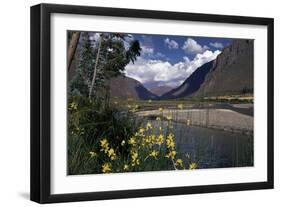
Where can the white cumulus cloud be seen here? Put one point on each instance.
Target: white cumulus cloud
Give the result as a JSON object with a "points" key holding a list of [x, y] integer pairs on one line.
{"points": [[191, 46], [145, 50], [172, 44], [216, 45], [159, 72]]}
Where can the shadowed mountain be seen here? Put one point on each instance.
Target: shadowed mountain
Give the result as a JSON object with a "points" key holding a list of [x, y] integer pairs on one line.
{"points": [[160, 90], [125, 87], [234, 71], [231, 73], [191, 84]]}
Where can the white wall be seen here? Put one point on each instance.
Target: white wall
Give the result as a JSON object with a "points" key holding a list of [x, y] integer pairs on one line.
{"points": [[14, 102]]}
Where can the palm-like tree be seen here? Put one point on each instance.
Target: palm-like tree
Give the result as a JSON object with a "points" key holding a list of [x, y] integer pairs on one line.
{"points": [[115, 56]]}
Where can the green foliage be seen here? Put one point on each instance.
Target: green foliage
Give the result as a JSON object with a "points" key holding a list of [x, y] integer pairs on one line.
{"points": [[88, 123], [92, 121], [80, 83], [113, 57], [111, 61], [134, 51]]}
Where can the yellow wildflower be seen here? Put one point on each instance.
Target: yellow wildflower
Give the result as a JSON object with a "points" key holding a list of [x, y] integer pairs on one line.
{"points": [[73, 106], [126, 167], [170, 141], [171, 154], [104, 145], [106, 168], [103, 142], [193, 166], [123, 143], [141, 130], [160, 139], [158, 119], [160, 109], [179, 162], [111, 154], [169, 117], [93, 154], [132, 141], [154, 154], [148, 126], [134, 155], [135, 160], [153, 138], [170, 136], [180, 106], [148, 139]]}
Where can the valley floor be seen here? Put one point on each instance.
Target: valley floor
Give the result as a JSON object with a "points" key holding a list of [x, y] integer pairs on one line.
{"points": [[218, 118], [228, 116]]}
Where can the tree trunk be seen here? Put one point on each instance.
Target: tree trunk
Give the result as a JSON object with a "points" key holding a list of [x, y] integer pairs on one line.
{"points": [[95, 69], [72, 48]]}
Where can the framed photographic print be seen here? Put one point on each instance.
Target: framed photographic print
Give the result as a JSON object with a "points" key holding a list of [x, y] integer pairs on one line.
{"points": [[132, 103]]}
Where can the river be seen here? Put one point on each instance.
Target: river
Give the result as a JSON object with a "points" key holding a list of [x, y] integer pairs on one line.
{"points": [[212, 148]]}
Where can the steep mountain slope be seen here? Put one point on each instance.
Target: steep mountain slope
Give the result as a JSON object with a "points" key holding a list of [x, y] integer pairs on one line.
{"points": [[191, 84], [234, 71], [125, 87], [160, 90], [230, 73]]}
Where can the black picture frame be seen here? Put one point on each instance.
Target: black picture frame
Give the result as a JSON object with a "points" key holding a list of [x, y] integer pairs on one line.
{"points": [[41, 96]]}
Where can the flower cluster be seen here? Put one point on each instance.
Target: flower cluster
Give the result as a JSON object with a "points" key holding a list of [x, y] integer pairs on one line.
{"points": [[149, 146], [134, 156], [106, 168], [73, 106], [107, 150]]}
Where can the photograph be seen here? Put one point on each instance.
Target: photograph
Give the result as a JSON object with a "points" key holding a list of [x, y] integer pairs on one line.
{"points": [[133, 103], [156, 102]]}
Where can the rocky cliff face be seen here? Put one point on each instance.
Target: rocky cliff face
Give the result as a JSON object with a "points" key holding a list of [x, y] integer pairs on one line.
{"points": [[125, 87], [231, 73]]}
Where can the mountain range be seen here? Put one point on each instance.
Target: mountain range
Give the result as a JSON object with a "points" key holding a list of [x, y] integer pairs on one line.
{"points": [[230, 73], [125, 87]]}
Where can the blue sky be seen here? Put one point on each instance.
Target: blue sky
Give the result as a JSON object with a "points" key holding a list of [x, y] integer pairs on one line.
{"points": [[174, 52], [168, 60]]}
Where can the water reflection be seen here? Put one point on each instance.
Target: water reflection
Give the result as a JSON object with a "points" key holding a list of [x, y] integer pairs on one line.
{"points": [[212, 148]]}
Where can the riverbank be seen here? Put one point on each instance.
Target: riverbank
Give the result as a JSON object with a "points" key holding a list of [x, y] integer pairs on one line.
{"points": [[223, 119]]}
